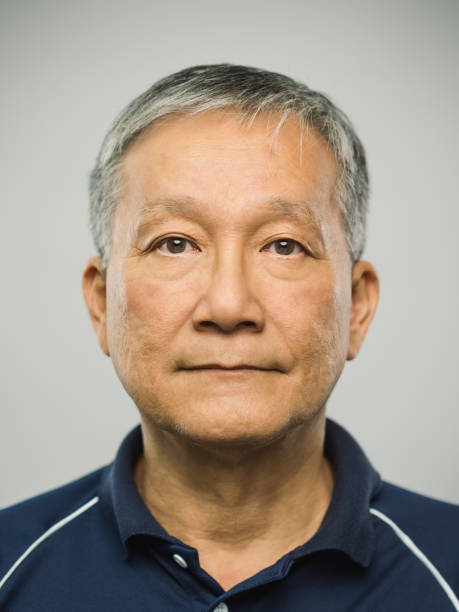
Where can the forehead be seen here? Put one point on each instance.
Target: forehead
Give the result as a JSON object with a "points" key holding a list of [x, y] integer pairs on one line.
{"points": [[216, 158]]}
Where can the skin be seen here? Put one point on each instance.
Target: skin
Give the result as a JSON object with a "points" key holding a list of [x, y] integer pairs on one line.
{"points": [[231, 335]]}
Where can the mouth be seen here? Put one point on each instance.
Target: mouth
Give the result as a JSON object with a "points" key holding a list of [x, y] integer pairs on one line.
{"points": [[230, 368]]}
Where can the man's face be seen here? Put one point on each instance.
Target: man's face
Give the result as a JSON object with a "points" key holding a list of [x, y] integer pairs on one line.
{"points": [[228, 251]]}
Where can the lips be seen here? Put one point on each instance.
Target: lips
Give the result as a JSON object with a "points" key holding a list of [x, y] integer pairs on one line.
{"points": [[219, 366]]}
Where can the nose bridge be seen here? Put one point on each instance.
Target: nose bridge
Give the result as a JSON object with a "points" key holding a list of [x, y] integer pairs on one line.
{"points": [[229, 299], [229, 278]]}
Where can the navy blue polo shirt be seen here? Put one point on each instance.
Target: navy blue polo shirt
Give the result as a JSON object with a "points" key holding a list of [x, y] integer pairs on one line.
{"points": [[93, 545]]}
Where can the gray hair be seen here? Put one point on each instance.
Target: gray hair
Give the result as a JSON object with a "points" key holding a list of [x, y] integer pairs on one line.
{"points": [[250, 91]]}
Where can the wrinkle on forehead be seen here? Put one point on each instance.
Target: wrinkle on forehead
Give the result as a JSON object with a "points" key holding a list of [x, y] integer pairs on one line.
{"points": [[270, 126]]}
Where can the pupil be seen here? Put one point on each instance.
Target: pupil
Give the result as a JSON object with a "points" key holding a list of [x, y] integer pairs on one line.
{"points": [[176, 245], [286, 246]]}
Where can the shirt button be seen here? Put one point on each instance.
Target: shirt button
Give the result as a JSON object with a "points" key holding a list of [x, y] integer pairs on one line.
{"points": [[180, 561], [222, 607]]}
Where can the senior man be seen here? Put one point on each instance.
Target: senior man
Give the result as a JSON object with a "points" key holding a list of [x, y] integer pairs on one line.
{"points": [[228, 208]]}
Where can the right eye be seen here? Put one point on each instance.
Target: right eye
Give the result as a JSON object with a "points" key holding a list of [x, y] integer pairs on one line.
{"points": [[173, 245]]}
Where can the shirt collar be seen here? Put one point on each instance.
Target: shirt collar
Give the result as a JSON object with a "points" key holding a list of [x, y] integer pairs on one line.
{"points": [[120, 498], [347, 525]]}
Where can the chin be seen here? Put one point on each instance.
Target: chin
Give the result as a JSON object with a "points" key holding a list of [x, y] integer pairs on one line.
{"points": [[232, 426], [232, 436]]}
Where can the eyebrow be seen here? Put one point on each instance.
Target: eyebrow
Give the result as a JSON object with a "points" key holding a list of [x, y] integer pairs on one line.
{"points": [[160, 209]]}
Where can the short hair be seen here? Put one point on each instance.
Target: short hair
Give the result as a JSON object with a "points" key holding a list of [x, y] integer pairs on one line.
{"points": [[250, 91]]}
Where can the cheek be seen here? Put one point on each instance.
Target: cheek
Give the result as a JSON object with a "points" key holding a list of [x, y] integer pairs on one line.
{"points": [[331, 328], [144, 316], [313, 317]]}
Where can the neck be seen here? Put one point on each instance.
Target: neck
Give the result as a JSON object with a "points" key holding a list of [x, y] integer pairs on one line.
{"points": [[237, 503]]}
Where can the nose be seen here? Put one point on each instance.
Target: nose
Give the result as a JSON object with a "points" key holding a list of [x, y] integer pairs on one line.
{"points": [[228, 302]]}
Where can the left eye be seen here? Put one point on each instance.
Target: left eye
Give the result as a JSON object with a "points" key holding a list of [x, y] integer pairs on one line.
{"points": [[284, 246]]}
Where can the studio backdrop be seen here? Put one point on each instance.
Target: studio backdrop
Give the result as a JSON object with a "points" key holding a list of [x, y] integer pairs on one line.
{"points": [[69, 67]]}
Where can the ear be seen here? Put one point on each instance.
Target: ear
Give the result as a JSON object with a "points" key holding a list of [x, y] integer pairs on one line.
{"points": [[95, 296], [365, 295]]}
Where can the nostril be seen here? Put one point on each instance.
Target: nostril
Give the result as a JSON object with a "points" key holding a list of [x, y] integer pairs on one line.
{"points": [[212, 324]]}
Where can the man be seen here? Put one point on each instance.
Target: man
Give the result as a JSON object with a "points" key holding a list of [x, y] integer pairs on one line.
{"points": [[228, 209]]}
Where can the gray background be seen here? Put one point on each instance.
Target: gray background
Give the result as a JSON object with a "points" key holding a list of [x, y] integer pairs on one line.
{"points": [[68, 68]]}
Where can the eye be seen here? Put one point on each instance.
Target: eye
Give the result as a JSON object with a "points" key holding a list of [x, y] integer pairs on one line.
{"points": [[285, 246], [173, 245]]}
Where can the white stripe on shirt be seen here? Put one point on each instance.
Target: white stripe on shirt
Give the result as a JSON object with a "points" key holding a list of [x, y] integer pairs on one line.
{"points": [[420, 555], [47, 533]]}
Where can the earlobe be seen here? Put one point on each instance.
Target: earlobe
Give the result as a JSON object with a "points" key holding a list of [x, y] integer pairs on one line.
{"points": [[95, 296], [365, 295]]}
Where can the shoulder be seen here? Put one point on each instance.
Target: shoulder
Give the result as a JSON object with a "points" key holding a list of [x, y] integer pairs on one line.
{"points": [[428, 528], [418, 513], [22, 523]]}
